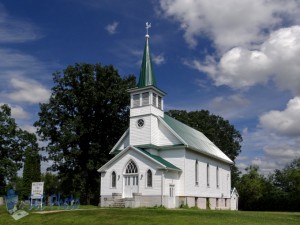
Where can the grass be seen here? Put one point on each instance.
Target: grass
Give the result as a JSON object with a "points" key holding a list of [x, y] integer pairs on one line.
{"points": [[89, 215]]}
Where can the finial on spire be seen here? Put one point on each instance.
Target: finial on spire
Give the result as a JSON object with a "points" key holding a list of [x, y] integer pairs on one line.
{"points": [[148, 25]]}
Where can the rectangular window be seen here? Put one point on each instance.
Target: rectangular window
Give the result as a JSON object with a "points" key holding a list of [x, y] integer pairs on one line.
{"points": [[217, 176], [145, 98], [136, 100], [196, 172], [217, 202], [154, 99], [207, 174], [159, 102]]}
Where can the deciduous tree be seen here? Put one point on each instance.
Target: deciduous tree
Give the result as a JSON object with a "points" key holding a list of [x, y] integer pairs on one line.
{"points": [[85, 116], [13, 142], [32, 165]]}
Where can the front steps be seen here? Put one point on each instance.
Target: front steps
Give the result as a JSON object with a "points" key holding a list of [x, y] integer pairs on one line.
{"points": [[118, 203]]}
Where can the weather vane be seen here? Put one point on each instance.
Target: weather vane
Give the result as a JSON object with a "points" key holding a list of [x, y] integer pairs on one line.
{"points": [[148, 25]]}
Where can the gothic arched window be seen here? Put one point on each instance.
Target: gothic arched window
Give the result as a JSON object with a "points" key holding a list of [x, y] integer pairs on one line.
{"points": [[131, 168], [113, 179]]}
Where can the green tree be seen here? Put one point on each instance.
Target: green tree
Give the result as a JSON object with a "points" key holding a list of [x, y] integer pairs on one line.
{"points": [[51, 183], [287, 180], [251, 188], [13, 143], [32, 165], [86, 114], [216, 129]]}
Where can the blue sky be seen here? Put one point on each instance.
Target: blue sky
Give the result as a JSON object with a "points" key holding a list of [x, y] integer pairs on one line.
{"points": [[237, 59]]}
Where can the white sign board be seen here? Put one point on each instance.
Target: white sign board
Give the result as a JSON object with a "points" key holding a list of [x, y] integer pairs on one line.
{"points": [[37, 189]]}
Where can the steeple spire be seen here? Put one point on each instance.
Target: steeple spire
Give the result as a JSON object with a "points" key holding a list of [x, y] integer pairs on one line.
{"points": [[147, 77]]}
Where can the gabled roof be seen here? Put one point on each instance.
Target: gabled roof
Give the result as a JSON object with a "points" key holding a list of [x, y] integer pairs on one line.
{"points": [[167, 164], [147, 77], [163, 164], [194, 139], [120, 141]]}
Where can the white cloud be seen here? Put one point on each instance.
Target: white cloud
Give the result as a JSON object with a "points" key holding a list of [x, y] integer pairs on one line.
{"points": [[158, 59], [284, 122], [29, 128], [18, 112], [28, 91], [276, 59], [112, 28], [14, 30], [232, 106], [229, 23]]}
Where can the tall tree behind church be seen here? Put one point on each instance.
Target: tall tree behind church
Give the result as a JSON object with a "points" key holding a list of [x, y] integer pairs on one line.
{"points": [[32, 165], [86, 114]]}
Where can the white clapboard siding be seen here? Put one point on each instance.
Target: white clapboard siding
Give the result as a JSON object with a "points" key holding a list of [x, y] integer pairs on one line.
{"points": [[176, 157], [166, 137], [146, 110], [143, 165], [140, 136], [202, 190]]}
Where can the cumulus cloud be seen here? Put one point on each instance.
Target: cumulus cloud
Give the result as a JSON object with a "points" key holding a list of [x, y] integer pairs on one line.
{"points": [[28, 91], [232, 106], [284, 122], [275, 60], [112, 28], [229, 23]]}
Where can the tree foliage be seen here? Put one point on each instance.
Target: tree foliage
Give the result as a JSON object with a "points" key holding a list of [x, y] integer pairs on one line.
{"points": [[279, 191], [32, 165], [13, 142], [215, 128], [51, 183], [86, 114]]}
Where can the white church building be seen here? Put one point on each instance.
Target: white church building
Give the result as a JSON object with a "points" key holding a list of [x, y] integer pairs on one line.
{"points": [[160, 161]]}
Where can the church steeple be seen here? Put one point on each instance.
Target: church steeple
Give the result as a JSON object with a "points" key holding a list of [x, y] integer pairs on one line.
{"points": [[147, 77]]}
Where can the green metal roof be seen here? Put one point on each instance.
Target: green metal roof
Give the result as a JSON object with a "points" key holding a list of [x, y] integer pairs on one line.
{"points": [[147, 77], [160, 160], [195, 139]]}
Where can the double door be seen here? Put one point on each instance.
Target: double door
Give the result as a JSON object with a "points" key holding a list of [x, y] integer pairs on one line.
{"points": [[131, 185]]}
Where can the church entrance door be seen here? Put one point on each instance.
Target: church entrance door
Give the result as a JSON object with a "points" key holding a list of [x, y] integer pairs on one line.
{"points": [[131, 180], [131, 185]]}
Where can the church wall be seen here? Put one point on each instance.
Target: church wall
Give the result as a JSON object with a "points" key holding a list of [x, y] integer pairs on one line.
{"points": [[154, 131], [140, 136], [166, 137], [202, 189], [143, 165], [176, 157]]}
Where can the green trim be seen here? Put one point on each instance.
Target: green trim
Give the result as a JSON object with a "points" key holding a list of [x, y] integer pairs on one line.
{"points": [[160, 160]]}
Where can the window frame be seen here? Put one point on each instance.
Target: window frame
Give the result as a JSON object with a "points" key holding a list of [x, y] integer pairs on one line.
{"points": [[113, 179], [149, 180]]}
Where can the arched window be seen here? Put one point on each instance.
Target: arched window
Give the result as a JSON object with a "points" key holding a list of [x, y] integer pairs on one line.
{"points": [[149, 178], [113, 179], [131, 168], [196, 172]]}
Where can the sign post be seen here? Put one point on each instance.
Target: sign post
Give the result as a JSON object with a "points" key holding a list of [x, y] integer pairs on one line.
{"points": [[37, 192]]}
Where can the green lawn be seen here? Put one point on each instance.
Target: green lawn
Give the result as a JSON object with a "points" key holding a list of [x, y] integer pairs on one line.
{"points": [[92, 215]]}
